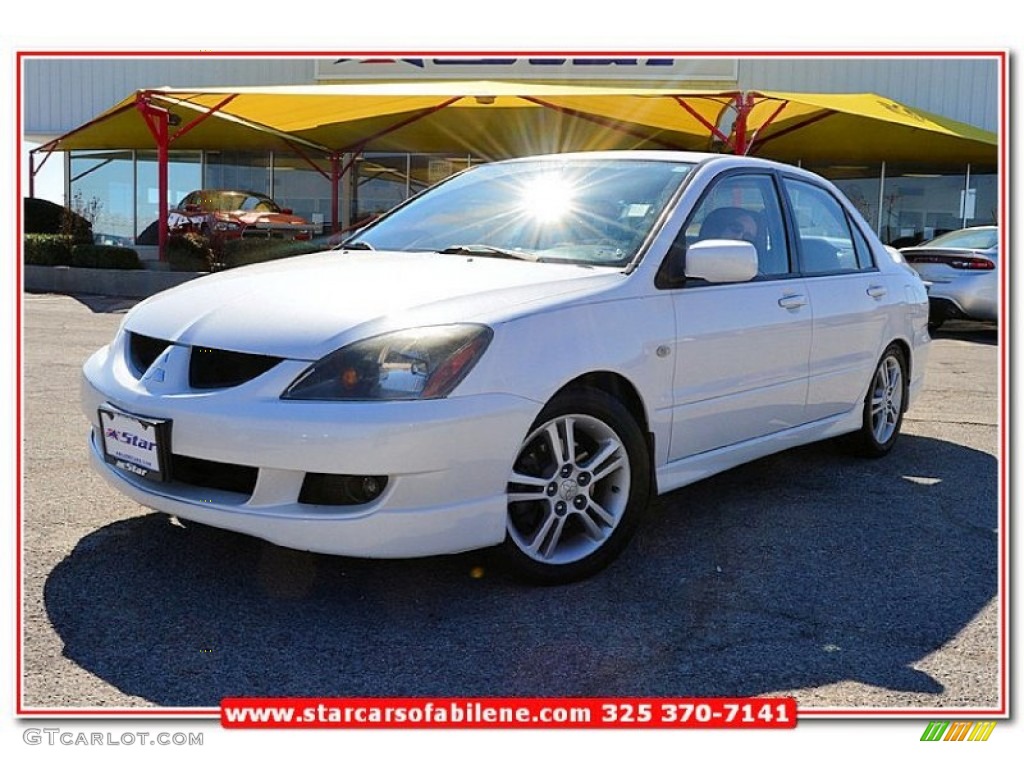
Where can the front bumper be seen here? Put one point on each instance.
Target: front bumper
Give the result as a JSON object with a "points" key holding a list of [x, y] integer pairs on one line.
{"points": [[283, 231], [447, 461]]}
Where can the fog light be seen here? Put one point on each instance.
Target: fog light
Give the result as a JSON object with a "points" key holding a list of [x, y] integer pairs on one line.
{"points": [[341, 490]]}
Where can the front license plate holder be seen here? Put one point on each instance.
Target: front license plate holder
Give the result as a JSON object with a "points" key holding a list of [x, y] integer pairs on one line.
{"points": [[136, 444]]}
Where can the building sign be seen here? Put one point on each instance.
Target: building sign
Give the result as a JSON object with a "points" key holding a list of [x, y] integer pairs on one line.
{"points": [[531, 68]]}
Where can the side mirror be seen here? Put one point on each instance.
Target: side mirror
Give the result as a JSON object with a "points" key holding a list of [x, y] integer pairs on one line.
{"points": [[192, 209], [287, 211], [722, 261]]}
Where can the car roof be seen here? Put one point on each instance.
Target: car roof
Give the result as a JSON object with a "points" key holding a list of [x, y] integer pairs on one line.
{"points": [[669, 155]]}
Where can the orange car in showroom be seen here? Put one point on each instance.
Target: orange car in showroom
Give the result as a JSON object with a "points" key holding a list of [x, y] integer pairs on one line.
{"points": [[227, 215]]}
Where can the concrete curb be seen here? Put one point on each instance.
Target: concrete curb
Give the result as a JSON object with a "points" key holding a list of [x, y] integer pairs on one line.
{"points": [[129, 283]]}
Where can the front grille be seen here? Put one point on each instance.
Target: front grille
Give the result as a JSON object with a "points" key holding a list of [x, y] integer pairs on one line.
{"points": [[266, 234], [144, 350], [235, 478], [219, 368]]}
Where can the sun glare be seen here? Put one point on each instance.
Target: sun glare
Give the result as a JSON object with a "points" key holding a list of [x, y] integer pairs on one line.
{"points": [[547, 198]]}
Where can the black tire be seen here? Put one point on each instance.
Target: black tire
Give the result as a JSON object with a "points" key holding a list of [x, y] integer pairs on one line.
{"points": [[937, 315], [577, 489], [884, 405]]}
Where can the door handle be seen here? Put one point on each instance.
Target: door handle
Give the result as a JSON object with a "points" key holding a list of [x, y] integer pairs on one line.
{"points": [[793, 301], [877, 291]]}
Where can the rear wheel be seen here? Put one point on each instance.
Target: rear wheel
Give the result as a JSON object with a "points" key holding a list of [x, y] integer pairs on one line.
{"points": [[883, 406], [577, 488]]}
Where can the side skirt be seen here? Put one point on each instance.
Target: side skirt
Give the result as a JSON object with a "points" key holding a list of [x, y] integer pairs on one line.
{"points": [[682, 472]]}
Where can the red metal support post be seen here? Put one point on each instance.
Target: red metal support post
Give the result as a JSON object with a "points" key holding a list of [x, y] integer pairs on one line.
{"points": [[337, 172], [157, 120], [744, 105], [713, 130]]}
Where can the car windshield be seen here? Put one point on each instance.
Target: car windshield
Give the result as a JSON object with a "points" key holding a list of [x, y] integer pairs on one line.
{"points": [[219, 200], [592, 211], [977, 239]]}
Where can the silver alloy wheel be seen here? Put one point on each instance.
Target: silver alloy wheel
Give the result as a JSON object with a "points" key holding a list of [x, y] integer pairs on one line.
{"points": [[569, 489], [887, 399]]}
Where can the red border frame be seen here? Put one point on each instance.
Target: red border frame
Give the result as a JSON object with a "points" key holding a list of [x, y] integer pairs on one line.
{"points": [[1003, 443]]}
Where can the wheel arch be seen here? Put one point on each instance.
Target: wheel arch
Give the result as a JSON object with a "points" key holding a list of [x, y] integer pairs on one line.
{"points": [[623, 390], [616, 385], [908, 356]]}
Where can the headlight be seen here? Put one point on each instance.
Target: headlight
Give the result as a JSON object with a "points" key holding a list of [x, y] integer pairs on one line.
{"points": [[227, 226], [415, 364]]}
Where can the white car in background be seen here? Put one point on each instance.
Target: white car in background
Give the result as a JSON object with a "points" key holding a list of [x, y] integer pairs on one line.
{"points": [[520, 356], [962, 272]]}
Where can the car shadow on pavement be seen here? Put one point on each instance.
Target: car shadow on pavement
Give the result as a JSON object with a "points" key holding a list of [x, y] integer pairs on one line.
{"points": [[965, 330], [800, 570]]}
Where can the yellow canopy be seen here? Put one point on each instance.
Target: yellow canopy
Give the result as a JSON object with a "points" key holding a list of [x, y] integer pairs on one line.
{"points": [[862, 127], [501, 119], [488, 119]]}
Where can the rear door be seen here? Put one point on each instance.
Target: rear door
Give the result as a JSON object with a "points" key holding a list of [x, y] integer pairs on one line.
{"points": [[847, 293]]}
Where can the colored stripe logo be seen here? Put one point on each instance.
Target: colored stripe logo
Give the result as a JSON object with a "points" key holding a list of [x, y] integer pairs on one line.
{"points": [[939, 730]]}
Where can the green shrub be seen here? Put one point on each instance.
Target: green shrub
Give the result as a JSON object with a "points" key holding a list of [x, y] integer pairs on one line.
{"points": [[47, 218], [48, 250], [238, 253], [104, 257], [189, 253]]}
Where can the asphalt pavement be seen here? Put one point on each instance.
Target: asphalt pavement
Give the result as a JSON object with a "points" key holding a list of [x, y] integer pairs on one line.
{"points": [[848, 583]]}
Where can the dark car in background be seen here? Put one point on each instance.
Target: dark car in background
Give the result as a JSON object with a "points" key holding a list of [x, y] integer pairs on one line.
{"points": [[226, 215], [962, 271]]}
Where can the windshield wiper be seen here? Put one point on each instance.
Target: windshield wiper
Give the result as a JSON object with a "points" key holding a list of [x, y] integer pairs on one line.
{"points": [[357, 245], [478, 249]]}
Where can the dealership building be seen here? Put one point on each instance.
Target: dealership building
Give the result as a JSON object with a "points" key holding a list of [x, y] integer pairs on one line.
{"points": [[911, 140]]}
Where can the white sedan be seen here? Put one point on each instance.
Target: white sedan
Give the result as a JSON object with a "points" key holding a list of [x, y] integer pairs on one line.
{"points": [[520, 356]]}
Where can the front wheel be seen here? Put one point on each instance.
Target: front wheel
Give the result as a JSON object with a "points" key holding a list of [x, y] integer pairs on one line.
{"points": [[577, 488], [883, 406]]}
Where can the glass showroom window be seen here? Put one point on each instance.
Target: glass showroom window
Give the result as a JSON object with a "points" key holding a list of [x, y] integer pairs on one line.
{"points": [[920, 203], [907, 205], [981, 197], [241, 171], [103, 190], [382, 182], [303, 189], [427, 170]]}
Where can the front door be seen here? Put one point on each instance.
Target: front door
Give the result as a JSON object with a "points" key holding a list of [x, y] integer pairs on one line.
{"points": [[742, 349]]}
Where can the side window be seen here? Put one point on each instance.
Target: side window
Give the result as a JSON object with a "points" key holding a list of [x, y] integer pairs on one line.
{"points": [[825, 240], [743, 207], [864, 258]]}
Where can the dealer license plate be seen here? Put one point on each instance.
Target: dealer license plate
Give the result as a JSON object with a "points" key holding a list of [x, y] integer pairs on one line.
{"points": [[136, 444]]}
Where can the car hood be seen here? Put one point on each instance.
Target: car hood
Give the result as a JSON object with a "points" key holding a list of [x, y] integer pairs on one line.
{"points": [[306, 307], [249, 218]]}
